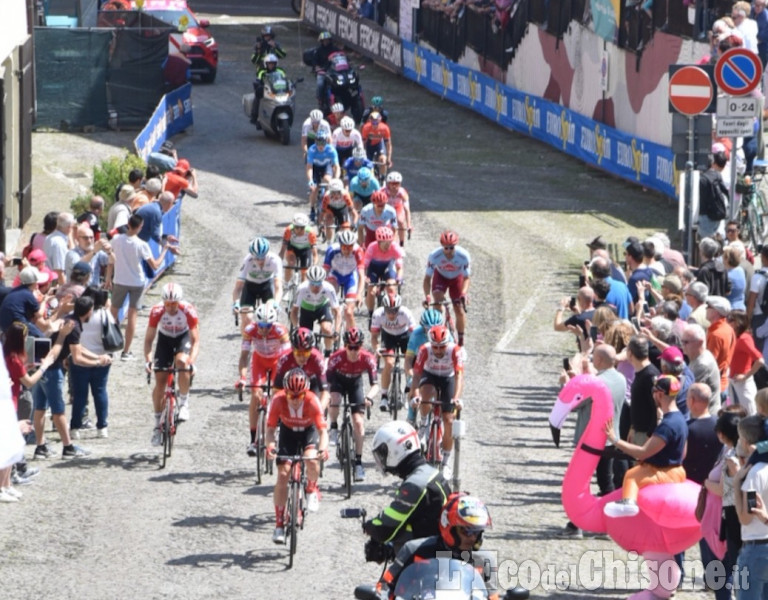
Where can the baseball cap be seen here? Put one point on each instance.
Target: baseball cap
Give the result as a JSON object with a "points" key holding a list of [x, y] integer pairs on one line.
{"points": [[182, 166], [720, 304], [597, 244], [673, 355], [30, 275], [668, 384], [673, 284], [82, 267], [36, 257], [630, 240]]}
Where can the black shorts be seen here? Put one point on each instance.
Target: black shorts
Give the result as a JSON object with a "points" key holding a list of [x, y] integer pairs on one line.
{"points": [[168, 347], [344, 154], [352, 387], [445, 387], [257, 292], [395, 342], [294, 443], [340, 215], [303, 256], [307, 318], [319, 172], [363, 200]]}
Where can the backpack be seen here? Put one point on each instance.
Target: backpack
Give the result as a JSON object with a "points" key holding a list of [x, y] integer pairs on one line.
{"points": [[764, 299], [713, 195]]}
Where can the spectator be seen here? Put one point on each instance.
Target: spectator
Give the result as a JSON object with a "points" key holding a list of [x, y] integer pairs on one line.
{"points": [[702, 363], [661, 336], [129, 278], [610, 475], [669, 309], [757, 287], [720, 338], [713, 196], [37, 241], [686, 278], [673, 257], [92, 216], [618, 336], [639, 272], [366, 10], [652, 256], [696, 297], [4, 289], [152, 214], [147, 194], [746, 26], [69, 292], [162, 161], [712, 272], [58, 243], [183, 178], [121, 210], [746, 361], [619, 295], [732, 238], [581, 309], [737, 279], [642, 405], [22, 305], [760, 16], [96, 253], [673, 363]]}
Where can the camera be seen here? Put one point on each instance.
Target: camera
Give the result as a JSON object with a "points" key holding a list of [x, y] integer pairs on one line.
{"points": [[751, 501], [378, 552], [572, 303]]}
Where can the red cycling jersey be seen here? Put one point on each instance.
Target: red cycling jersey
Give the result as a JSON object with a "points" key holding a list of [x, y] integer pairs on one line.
{"points": [[339, 364], [315, 367], [176, 324], [448, 365], [308, 414], [271, 345], [374, 135]]}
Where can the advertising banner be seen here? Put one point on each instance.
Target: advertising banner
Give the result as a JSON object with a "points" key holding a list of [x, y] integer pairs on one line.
{"points": [[172, 115], [635, 159]]}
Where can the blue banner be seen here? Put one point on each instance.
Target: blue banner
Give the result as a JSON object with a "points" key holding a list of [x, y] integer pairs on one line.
{"points": [[172, 115], [635, 159]]}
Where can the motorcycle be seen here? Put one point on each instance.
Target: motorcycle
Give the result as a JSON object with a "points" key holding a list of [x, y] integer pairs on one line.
{"points": [[277, 106], [342, 85]]}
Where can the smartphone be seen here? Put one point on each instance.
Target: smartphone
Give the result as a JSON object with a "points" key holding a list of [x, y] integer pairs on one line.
{"points": [[16, 262], [635, 324], [567, 364], [751, 501], [593, 333], [37, 349], [572, 303]]}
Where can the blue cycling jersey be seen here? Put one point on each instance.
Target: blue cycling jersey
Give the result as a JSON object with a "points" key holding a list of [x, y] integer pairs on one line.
{"points": [[327, 158], [357, 190], [351, 166]]}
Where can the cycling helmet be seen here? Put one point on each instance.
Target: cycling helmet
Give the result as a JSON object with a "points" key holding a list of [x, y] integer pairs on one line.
{"points": [[321, 136], [375, 116], [270, 58], [324, 35], [266, 313], [316, 274], [335, 185], [316, 115], [394, 177], [464, 511], [392, 301], [267, 30], [259, 247], [384, 234], [296, 381], [438, 335], [347, 123], [300, 220], [392, 443], [449, 238], [302, 339], [431, 317], [337, 107], [172, 292], [377, 101], [364, 174], [346, 237], [358, 153], [379, 197], [354, 337]]}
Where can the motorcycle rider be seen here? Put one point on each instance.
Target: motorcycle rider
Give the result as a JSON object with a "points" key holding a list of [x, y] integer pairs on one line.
{"points": [[266, 44], [270, 66], [415, 511], [321, 62]]}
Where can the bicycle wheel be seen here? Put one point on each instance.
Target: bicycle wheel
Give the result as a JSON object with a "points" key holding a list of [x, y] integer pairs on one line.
{"points": [[293, 527], [261, 451], [762, 214], [434, 446], [394, 393], [752, 227], [166, 438], [346, 464]]}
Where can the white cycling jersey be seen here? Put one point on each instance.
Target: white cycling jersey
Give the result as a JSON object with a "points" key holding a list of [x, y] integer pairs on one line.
{"points": [[401, 324], [343, 142], [251, 271], [307, 299], [308, 132]]}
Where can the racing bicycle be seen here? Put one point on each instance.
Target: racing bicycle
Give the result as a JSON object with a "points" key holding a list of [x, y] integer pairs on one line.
{"points": [[263, 463], [296, 506], [753, 216], [169, 418], [396, 393], [345, 448]]}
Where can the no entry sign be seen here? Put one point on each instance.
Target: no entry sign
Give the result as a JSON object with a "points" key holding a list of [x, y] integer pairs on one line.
{"points": [[690, 90]]}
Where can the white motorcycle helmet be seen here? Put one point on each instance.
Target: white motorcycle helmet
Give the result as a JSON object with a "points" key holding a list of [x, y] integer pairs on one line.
{"points": [[392, 443]]}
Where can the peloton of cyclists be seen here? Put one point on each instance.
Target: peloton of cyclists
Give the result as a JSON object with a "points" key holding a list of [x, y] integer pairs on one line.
{"points": [[299, 247], [316, 301], [346, 272], [260, 279], [393, 323]]}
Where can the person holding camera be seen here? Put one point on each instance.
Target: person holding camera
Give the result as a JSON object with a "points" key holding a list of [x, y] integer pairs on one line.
{"points": [[582, 310]]}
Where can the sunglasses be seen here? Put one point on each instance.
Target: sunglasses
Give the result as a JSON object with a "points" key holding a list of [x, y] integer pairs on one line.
{"points": [[448, 247], [171, 303], [435, 347], [353, 348], [302, 352], [731, 230], [292, 396], [264, 325]]}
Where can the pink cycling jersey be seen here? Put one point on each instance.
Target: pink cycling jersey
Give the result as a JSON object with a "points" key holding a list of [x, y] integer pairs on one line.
{"points": [[375, 254]]}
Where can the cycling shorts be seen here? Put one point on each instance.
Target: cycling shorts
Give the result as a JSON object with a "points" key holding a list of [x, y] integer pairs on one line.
{"points": [[168, 347], [346, 283], [344, 154], [445, 387], [321, 314], [319, 172], [257, 292], [453, 286], [340, 215], [352, 387], [373, 150], [303, 256], [260, 366], [293, 443], [381, 271], [363, 200], [370, 236], [395, 342]]}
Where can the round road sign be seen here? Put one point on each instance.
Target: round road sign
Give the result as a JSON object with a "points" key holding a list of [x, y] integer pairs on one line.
{"points": [[738, 71], [690, 90]]}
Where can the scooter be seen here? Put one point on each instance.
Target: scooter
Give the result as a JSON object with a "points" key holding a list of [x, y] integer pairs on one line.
{"points": [[277, 106]]}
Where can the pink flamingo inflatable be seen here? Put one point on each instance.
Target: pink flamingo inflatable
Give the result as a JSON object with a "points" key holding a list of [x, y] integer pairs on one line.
{"points": [[665, 525]]}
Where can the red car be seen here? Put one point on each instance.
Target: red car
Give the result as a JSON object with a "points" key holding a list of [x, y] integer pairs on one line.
{"points": [[204, 51]]}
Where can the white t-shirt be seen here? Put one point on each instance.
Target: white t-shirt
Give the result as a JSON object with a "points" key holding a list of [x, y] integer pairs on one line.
{"points": [[118, 215], [56, 248], [757, 481], [757, 285], [90, 338], [129, 252]]}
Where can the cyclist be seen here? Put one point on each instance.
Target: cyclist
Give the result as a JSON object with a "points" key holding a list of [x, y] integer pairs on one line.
{"points": [[439, 367], [395, 323], [378, 142], [462, 522], [266, 44], [322, 166], [354, 163], [397, 198], [373, 216], [383, 262], [448, 270], [345, 375], [299, 248], [419, 337], [316, 301], [337, 208], [345, 139], [260, 278], [362, 186], [415, 511], [344, 264], [270, 66], [337, 114], [377, 104], [312, 124], [303, 431], [175, 324], [264, 340], [305, 356]]}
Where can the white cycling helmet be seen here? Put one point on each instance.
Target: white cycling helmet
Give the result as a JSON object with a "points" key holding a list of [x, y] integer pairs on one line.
{"points": [[392, 443], [172, 292], [335, 185], [316, 116], [394, 177], [358, 153], [346, 237], [347, 123], [392, 301], [316, 274], [337, 107], [300, 220], [266, 313]]}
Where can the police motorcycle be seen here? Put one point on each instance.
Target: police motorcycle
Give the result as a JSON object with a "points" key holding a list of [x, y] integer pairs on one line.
{"points": [[276, 110]]}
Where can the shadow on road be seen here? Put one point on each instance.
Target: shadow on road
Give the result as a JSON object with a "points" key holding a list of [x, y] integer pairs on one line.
{"points": [[218, 478], [264, 561], [135, 462], [251, 524]]}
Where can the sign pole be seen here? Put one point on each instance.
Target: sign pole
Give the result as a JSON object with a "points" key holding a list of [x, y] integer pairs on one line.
{"points": [[689, 191], [733, 209]]}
